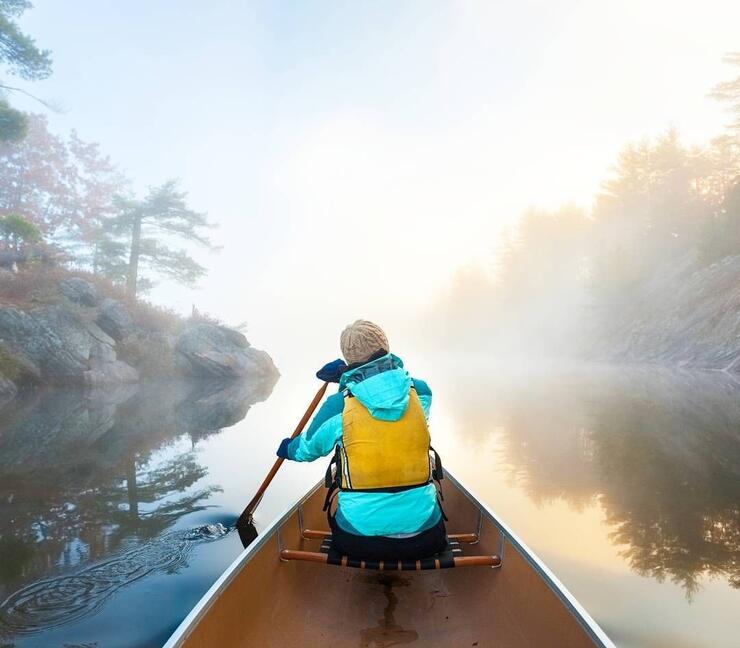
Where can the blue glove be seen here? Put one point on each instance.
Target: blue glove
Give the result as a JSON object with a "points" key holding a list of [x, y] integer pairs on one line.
{"points": [[282, 451], [332, 371]]}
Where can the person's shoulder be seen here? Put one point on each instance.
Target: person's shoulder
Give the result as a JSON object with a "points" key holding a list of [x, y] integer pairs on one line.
{"points": [[333, 405]]}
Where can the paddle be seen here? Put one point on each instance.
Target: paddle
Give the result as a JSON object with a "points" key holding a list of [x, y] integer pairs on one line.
{"points": [[244, 525]]}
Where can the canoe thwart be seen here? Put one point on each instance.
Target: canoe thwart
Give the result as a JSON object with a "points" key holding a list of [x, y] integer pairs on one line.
{"points": [[468, 538], [449, 558], [393, 565]]}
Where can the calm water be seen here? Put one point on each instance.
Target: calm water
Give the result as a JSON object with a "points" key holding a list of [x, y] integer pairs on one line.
{"points": [[115, 507]]}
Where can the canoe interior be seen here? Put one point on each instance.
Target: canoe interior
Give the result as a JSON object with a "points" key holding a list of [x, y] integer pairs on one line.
{"points": [[268, 602]]}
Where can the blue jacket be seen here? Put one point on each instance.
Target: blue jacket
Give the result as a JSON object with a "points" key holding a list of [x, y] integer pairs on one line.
{"points": [[382, 386]]}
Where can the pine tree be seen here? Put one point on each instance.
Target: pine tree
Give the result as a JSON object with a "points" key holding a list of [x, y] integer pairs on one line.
{"points": [[148, 227], [20, 54]]}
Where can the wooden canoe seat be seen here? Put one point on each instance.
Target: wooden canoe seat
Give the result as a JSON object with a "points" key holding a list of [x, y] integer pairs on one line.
{"points": [[449, 558]]}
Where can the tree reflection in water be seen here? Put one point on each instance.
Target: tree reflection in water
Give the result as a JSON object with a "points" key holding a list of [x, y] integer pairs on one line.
{"points": [[660, 451], [97, 479], [670, 465]]}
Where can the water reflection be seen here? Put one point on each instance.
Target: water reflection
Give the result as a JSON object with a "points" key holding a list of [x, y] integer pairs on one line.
{"points": [[95, 490], [669, 457], [69, 597], [658, 451], [90, 484]]}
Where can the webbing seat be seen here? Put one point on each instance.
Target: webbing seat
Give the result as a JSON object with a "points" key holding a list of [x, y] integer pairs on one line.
{"points": [[447, 559]]}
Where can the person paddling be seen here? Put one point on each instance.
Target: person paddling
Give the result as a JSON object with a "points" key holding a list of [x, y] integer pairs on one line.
{"points": [[377, 427]]}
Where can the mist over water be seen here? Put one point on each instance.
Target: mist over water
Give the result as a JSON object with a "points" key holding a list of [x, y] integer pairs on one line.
{"points": [[624, 482]]}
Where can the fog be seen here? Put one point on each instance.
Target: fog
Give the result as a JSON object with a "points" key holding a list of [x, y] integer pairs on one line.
{"points": [[370, 161], [646, 274]]}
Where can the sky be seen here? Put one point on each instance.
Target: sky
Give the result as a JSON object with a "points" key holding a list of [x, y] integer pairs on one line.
{"points": [[355, 155]]}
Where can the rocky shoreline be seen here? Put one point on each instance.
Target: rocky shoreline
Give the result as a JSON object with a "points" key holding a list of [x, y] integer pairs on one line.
{"points": [[687, 316], [81, 336]]}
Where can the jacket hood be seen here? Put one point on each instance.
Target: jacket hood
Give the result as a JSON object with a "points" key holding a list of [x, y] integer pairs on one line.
{"points": [[381, 385]]}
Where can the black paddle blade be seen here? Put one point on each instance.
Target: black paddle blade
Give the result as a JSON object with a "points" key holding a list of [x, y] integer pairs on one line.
{"points": [[247, 533], [246, 519]]}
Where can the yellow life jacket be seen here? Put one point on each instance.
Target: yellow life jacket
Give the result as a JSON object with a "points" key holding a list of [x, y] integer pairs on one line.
{"points": [[383, 455]]}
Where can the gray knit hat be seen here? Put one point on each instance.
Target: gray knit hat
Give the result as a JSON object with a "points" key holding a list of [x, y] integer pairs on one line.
{"points": [[360, 340]]}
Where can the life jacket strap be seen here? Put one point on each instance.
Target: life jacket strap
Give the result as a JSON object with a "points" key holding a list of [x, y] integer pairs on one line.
{"points": [[327, 507], [441, 508], [438, 474], [331, 479]]}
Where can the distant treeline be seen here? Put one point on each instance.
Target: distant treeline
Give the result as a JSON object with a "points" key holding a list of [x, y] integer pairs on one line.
{"points": [[560, 275]]}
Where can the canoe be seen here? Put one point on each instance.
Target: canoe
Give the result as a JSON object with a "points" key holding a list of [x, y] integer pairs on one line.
{"points": [[288, 588]]}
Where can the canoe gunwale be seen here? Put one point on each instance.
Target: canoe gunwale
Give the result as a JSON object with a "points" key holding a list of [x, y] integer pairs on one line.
{"points": [[222, 582], [594, 631]]}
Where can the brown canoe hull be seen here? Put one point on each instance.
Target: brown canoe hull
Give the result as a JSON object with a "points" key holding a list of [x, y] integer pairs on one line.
{"points": [[265, 601]]}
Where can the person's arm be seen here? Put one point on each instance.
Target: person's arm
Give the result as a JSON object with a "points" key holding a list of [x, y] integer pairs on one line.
{"points": [[320, 437], [424, 394]]}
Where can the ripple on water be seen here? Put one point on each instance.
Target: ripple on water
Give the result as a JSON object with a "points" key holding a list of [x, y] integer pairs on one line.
{"points": [[56, 601]]}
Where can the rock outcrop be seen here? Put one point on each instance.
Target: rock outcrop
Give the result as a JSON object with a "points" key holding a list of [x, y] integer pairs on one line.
{"points": [[8, 390], [115, 320], [106, 369], [151, 352], [209, 350], [18, 367], [84, 337], [79, 291], [33, 335], [62, 346]]}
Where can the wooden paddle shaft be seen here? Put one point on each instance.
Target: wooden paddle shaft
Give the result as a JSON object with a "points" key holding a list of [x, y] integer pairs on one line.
{"points": [[247, 513]]}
